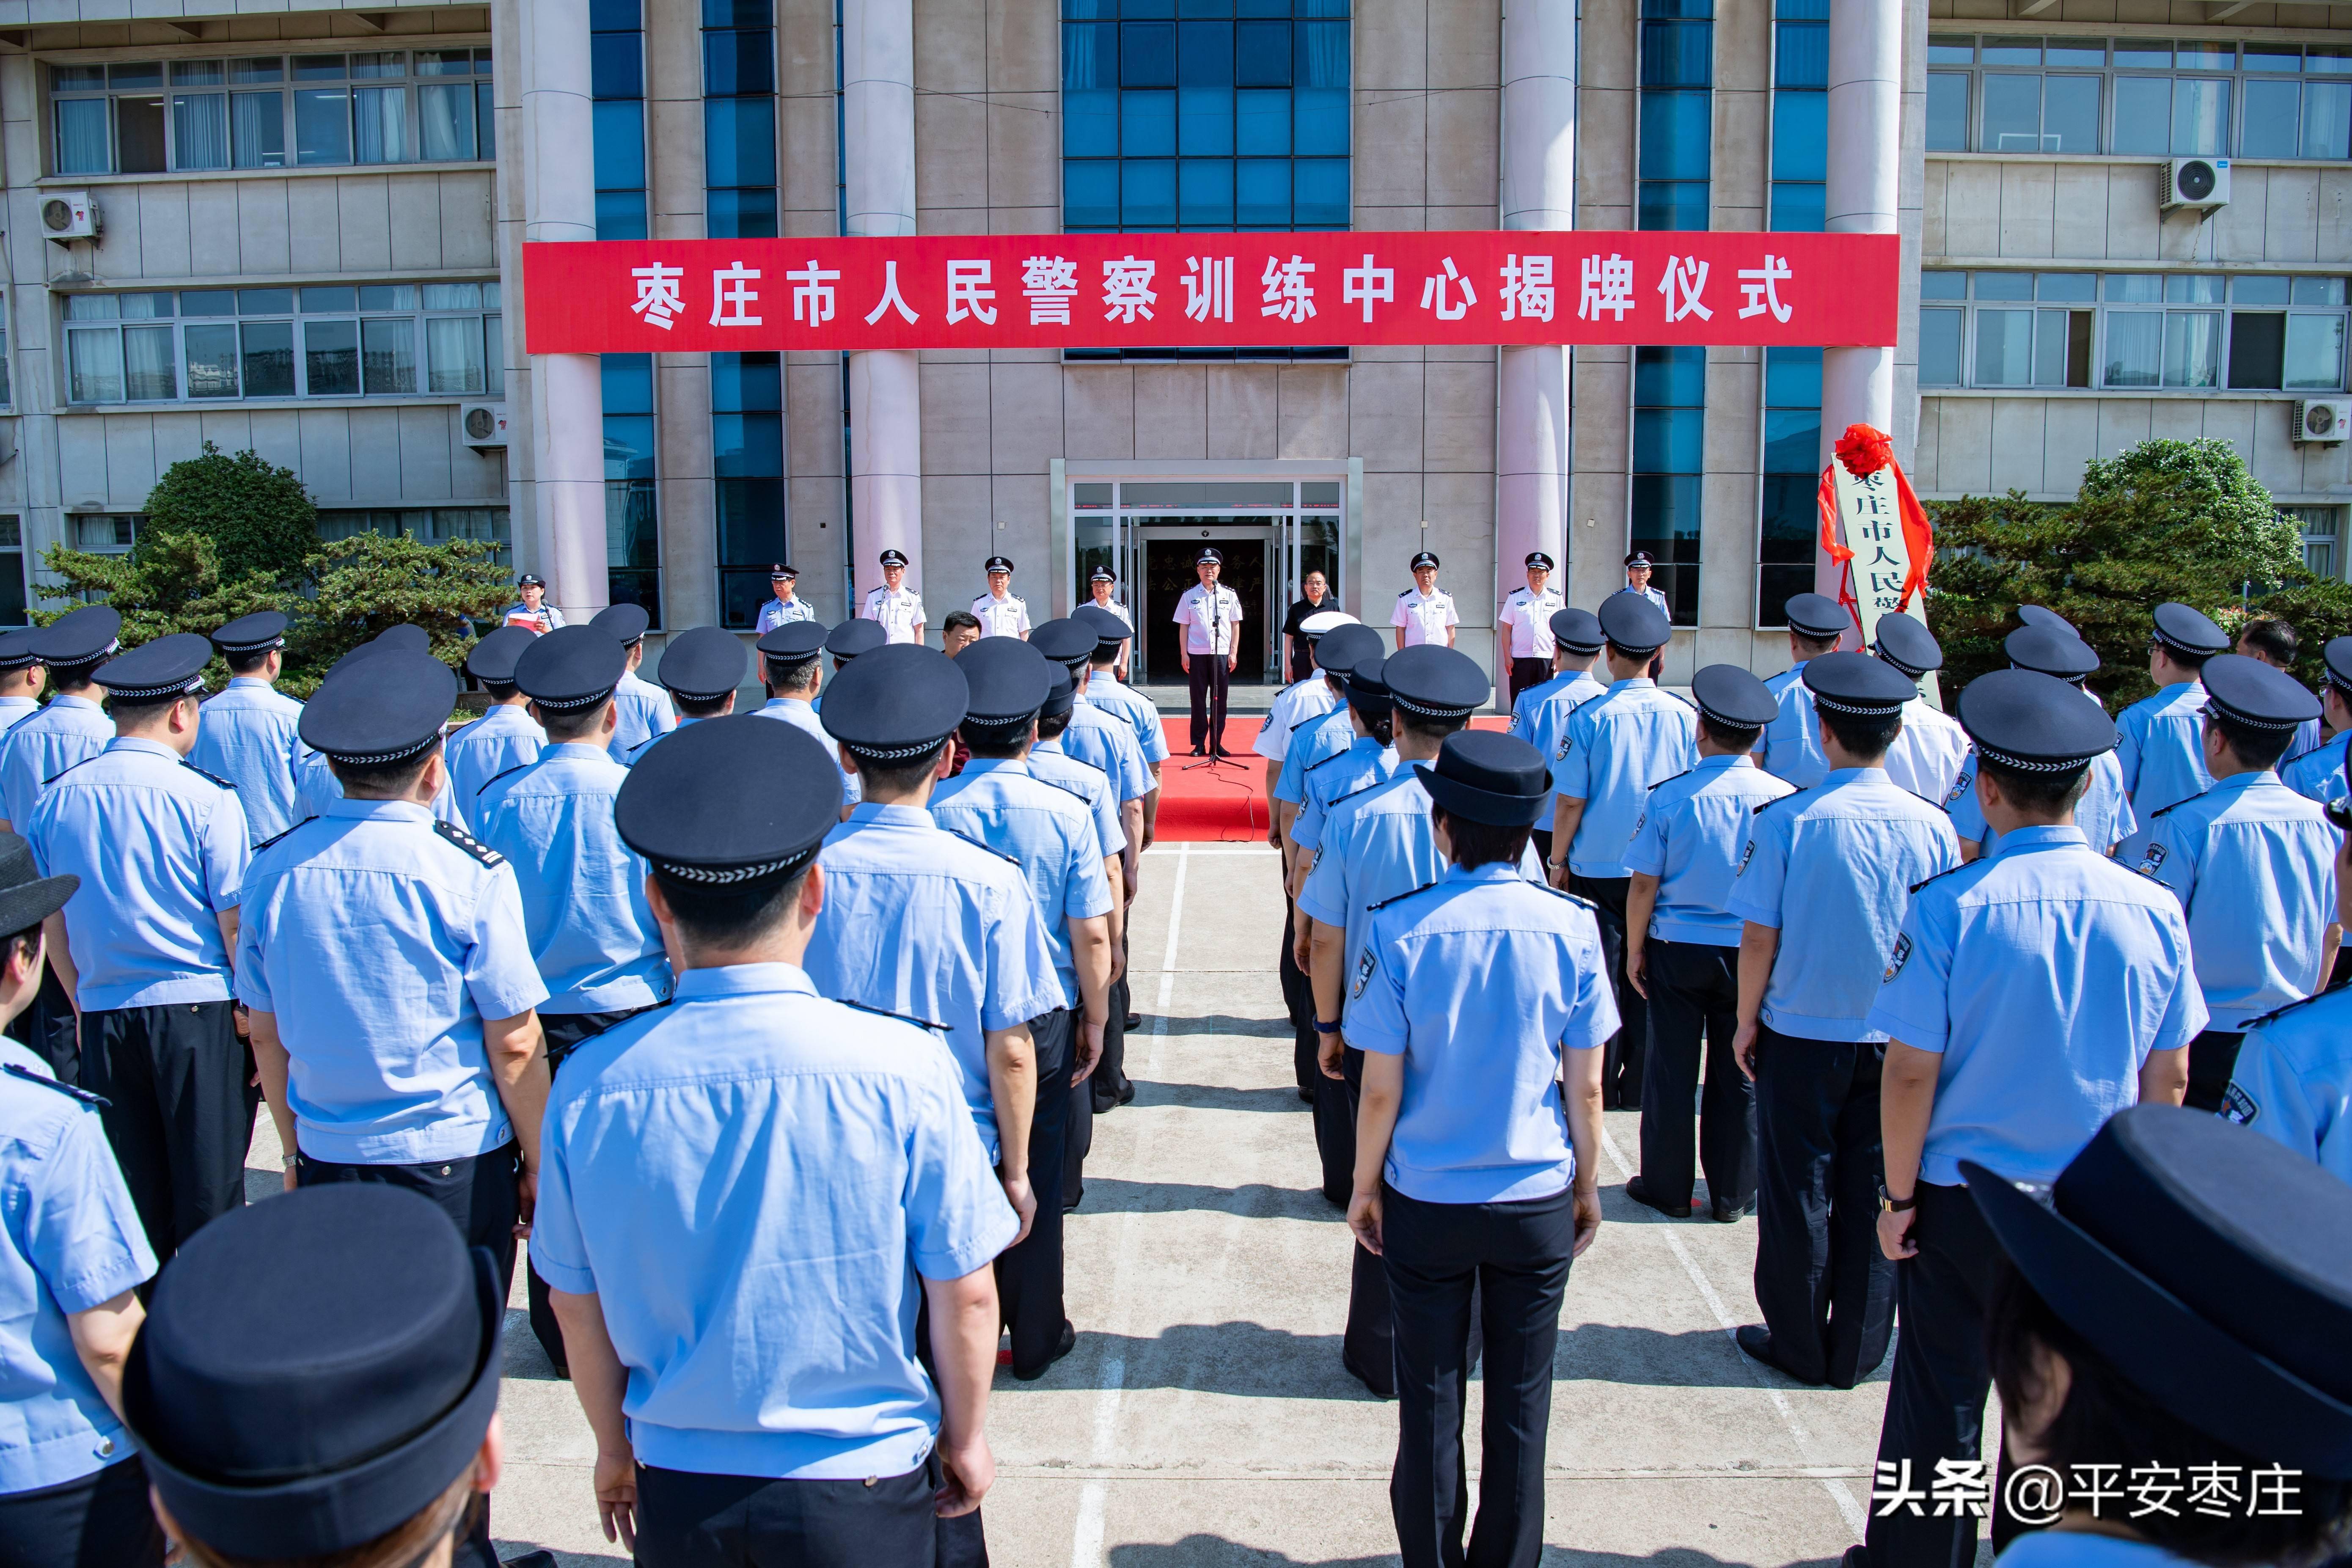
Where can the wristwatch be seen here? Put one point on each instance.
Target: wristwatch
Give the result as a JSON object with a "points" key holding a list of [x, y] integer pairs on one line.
{"points": [[1323, 1028], [1896, 1205]]}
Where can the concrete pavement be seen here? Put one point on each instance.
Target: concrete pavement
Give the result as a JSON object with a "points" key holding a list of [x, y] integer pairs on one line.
{"points": [[1204, 1420]]}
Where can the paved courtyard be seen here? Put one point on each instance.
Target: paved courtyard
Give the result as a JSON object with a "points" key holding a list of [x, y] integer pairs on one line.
{"points": [[1204, 1420]]}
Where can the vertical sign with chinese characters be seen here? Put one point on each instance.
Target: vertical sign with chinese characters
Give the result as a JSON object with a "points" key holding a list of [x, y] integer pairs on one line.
{"points": [[1872, 517]]}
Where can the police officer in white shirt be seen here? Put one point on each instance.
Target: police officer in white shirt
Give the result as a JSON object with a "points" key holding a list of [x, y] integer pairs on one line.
{"points": [[1528, 612], [1638, 567], [999, 613], [1424, 612], [787, 606], [1208, 614], [1928, 752], [1104, 586], [898, 607]]}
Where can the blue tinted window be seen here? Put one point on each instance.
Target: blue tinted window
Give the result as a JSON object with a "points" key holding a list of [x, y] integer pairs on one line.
{"points": [[1146, 194], [738, 144], [1147, 124], [620, 215], [1669, 378], [1802, 58], [1091, 194], [1799, 206], [1674, 136], [615, 15], [741, 214], [734, 63], [1319, 199], [1205, 190], [1669, 458], [1090, 122], [1262, 124], [616, 65], [748, 445], [1800, 135], [1147, 55], [1204, 120], [1089, 56], [1678, 54], [1204, 55], [1263, 187], [1665, 206], [628, 383], [1322, 121], [746, 381], [620, 138]]}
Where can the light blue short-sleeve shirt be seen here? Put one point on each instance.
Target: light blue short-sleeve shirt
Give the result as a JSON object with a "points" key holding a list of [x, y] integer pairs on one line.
{"points": [[1791, 745], [2293, 1082], [1048, 761], [316, 787], [640, 712], [1479, 983], [14, 711], [69, 1240], [69, 731], [583, 891], [920, 922], [797, 1168], [1831, 870], [499, 741], [2160, 744], [2104, 812], [1335, 778], [1044, 831], [160, 849], [381, 939], [1107, 692], [1540, 712], [801, 713], [1690, 836], [1292, 706], [2253, 864], [248, 735], [2043, 975], [1325, 734], [2322, 775], [1102, 737], [1611, 751]]}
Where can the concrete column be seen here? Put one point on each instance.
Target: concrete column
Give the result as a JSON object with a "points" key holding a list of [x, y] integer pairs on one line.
{"points": [[1865, 153], [567, 403], [1538, 159], [885, 403]]}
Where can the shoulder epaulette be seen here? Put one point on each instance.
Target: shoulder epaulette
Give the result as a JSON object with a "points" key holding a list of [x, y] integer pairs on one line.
{"points": [[1779, 799], [1402, 592], [1332, 758], [1360, 789], [469, 843], [95, 1101], [1942, 874], [200, 774], [1384, 904], [1662, 783], [902, 1017], [1681, 698], [2253, 1024], [1578, 899], [275, 837], [976, 844], [517, 768], [1311, 719], [67, 769]]}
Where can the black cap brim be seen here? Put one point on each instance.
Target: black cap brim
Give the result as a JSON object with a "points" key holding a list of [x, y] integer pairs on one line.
{"points": [[1487, 805]]}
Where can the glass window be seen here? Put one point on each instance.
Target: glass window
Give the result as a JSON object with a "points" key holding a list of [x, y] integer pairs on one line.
{"points": [[2201, 116], [388, 354], [2134, 287], [2192, 289], [1669, 399], [1948, 112], [12, 572], [2192, 348], [2322, 529], [1939, 347], [1936, 285], [258, 129], [2326, 120], [2012, 113], [322, 125], [212, 360], [331, 358], [2314, 352], [2135, 345], [2004, 348], [266, 350], [94, 361]]}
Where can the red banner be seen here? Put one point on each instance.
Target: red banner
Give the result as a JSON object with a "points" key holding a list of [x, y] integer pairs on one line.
{"points": [[1202, 290]]}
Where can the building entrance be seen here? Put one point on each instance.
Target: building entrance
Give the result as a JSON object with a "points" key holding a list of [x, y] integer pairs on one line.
{"points": [[1172, 567]]}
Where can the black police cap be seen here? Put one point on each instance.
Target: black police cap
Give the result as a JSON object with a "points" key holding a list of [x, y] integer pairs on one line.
{"points": [[315, 1371], [2337, 655], [704, 664], [408, 638], [1909, 647], [1431, 681], [2033, 722], [168, 667], [2045, 618], [893, 558], [1858, 684], [856, 637], [1425, 559], [1102, 574], [27, 898], [1579, 631], [1109, 629], [1368, 693], [570, 668], [17, 647], [1210, 556], [896, 704], [1640, 558], [1538, 561], [1634, 624], [381, 709], [2256, 694], [2188, 631], [1485, 775], [684, 808], [625, 624], [998, 564], [1339, 651], [79, 636], [1733, 698], [2209, 1265], [2049, 651], [1817, 616], [492, 658], [1064, 641], [1060, 698], [781, 573], [794, 642], [255, 633], [1008, 681]]}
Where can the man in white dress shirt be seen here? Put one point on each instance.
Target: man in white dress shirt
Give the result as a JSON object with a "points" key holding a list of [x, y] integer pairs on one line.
{"points": [[898, 607], [999, 613], [1104, 585], [1424, 612], [1528, 612], [1208, 614], [1929, 749]]}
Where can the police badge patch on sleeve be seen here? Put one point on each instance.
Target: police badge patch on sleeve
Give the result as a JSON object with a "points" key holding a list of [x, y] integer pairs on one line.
{"points": [[1638, 823], [2154, 859], [1959, 787], [1745, 855], [1901, 955], [2238, 1106], [1364, 967]]}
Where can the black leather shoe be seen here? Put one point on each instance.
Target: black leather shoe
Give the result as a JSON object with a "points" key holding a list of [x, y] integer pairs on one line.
{"points": [[1127, 1092], [1068, 1342], [1755, 1341], [1641, 1194], [1730, 1214], [1104, 1104], [1133, 1021], [542, 1558]]}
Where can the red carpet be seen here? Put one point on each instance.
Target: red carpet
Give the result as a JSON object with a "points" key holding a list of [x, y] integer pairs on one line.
{"points": [[1202, 804]]}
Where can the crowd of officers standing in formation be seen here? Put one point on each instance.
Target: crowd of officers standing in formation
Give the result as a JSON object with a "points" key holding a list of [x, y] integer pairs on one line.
{"points": [[782, 1042]]}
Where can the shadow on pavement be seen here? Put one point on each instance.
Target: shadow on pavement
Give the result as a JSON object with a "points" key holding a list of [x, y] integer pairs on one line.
{"points": [[1215, 1551], [1221, 1024], [508, 1550], [1246, 1360], [1251, 1200], [520, 1354], [1215, 1097]]}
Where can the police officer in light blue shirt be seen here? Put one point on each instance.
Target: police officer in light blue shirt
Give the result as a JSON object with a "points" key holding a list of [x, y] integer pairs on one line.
{"points": [[642, 709], [1089, 784], [72, 1253], [1822, 886], [1099, 736], [315, 786], [1480, 1006], [2160, 740], [1541, 711], [21, 676], [1294, 708], [2325, 772], [1099, 684], [437, 1084], [502, 739], [1791, 747], [700, 670], [2293, 1081], [785, 606], [1325, 735], [998, 802], [2028, 996], [160, 847], [789, 673], [1681, 952], [2105, 813], [72, 727], [752, 1137], [248, 733], [1370, 758], [1610, 753], [2253, 863]]}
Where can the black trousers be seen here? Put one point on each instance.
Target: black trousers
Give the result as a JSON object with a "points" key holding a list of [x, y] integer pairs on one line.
{"points": [[1694, 988], [1620, 1067], [1209, 679], [1827, 1290], [690, 1521], [1527, 672], [566, 1033], [477, 1193], [45, 1027], [1110, 1085], [177, 1112], [1368, 1347], [1077, 1143], [1515, 1255], [1298, 1001], [2212, 1057], [1935, 1403], [1029, 1275], [1335, 1129], [99, 1521]]}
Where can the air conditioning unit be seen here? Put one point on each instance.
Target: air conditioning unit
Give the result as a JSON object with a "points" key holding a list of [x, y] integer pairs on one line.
{"points": [[71, 214], [2322, 421], [484, 424], [2201, 183]]}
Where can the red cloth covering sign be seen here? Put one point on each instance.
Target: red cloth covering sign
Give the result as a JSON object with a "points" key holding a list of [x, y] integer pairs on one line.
{"points": [[1229, 290]]}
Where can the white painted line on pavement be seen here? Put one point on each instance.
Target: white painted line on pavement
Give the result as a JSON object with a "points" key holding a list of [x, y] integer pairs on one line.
{"points": [[1840, 1493], [1087, 1540]]}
